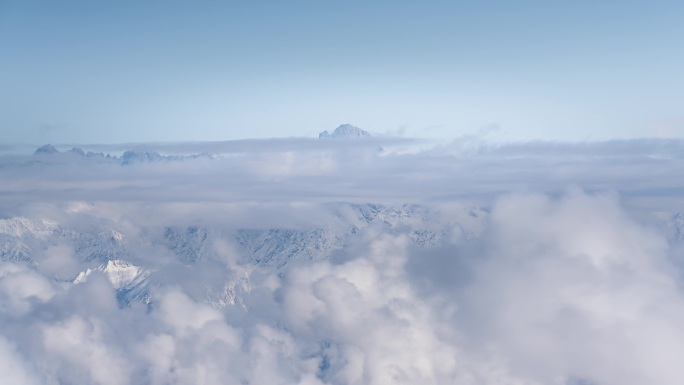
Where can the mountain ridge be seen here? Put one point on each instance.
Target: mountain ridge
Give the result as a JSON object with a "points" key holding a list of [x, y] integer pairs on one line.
{"points": [[345, 131]]}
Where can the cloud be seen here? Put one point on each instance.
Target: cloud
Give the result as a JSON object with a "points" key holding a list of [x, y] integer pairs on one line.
{"points": [[467, 264], [303, 170], [574, 282], [13, 368], [81, 350], [243, 146]]}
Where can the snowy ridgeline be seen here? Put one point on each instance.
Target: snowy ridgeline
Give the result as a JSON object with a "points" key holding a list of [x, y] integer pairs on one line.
{"points": [[345, 131], [140, 155], [128, 262], [143, 154], [354, 278]]}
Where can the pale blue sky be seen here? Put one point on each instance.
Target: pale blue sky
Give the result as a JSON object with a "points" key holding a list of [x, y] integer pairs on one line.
{"points": [[131, 71]]}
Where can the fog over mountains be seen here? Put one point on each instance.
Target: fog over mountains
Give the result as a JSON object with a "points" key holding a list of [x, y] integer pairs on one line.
{"points": [[348, 259]]}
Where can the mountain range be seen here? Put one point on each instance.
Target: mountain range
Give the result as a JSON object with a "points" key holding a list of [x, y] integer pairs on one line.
{"points": [[124, 258], [141, 154]]}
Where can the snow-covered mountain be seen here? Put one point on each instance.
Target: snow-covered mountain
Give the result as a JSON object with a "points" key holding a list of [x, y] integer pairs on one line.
{"points": [[146, 156], [278, 247], [130, 282], [345, 131], [133, 156], [127, 259], [46, 150], [98, 248], [143, 154], [22, 239]]}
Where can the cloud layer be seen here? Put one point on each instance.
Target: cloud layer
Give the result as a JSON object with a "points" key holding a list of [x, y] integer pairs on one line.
{"points": [[290, 170], [521, 264]]}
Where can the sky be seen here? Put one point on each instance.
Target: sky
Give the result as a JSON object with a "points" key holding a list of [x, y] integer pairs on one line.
{"points": [[520, 201], [120, 72]]}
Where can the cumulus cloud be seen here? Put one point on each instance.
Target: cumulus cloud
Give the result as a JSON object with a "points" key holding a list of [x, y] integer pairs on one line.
{"points": [[470, 264], [578, 284], [13, 368]]}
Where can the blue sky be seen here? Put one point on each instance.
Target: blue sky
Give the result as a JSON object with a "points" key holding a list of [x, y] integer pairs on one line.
{"points": [[101, 72]]}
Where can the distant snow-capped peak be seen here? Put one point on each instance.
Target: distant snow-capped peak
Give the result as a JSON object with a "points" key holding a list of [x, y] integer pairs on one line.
{"points": [[345, 131], [47, 149], [121, 274], [138, 155]]}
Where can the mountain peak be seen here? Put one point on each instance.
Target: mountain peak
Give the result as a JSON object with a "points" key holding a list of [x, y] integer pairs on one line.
{"points": [[139, 156], [345, 131], [47, 149], [77, 151]]}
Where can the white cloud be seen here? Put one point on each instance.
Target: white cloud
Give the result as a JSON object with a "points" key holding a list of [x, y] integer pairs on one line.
{"points": [[13, 368], [21, 286], [519, 279], [290, 171], [577, 284], [81, 351]]}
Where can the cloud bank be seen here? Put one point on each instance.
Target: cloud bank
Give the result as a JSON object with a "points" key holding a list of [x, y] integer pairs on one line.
{"points": [[537, 263], [353, 170]]}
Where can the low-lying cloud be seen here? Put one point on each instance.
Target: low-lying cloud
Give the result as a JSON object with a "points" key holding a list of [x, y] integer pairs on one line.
{"points": [[513, 264], [351, 170]]}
